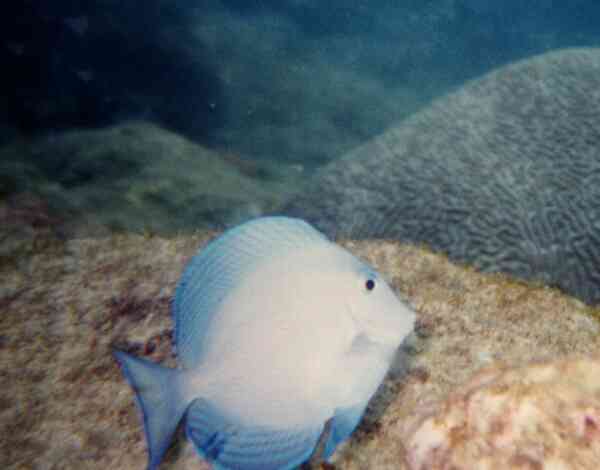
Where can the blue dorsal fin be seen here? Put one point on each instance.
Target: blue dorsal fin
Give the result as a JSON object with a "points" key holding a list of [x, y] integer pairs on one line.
{"points": [[230, 447], [345, 421], [219, 266]]}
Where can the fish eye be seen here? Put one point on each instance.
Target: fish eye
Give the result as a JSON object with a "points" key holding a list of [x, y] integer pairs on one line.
{"points": [[370, 284]]}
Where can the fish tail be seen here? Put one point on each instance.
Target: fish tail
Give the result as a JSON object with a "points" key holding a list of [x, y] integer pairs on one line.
{"points": [[159, 396]]}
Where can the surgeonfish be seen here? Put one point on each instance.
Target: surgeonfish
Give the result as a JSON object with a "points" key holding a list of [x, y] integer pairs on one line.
{"points": [[282, 338]]}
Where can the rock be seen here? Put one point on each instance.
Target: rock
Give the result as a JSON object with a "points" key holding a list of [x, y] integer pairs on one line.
{"points": [[538, 416], [65, 304], [503, 174], [137, 176]]}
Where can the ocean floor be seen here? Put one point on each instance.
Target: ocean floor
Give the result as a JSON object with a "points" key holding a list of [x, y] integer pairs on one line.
{"points": [[65, 404]]}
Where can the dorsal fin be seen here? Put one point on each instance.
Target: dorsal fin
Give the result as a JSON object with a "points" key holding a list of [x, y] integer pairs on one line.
{"points": [[218, 267]]}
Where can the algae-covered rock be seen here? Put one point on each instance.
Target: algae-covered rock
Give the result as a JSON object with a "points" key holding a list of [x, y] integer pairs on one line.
{"points": [[64, 305], [138, 176]]}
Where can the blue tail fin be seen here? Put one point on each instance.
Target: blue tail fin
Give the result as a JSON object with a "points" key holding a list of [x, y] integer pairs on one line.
{"points": [[157, 390]]}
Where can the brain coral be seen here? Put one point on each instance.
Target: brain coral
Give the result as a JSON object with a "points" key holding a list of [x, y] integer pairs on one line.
{"points": [[503, 174], [546, 415]]}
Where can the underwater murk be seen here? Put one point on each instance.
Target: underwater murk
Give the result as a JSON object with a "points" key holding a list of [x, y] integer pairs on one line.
{"points": [[349, 235]]}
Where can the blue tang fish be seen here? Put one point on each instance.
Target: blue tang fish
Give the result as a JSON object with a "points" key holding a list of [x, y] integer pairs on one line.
{"points": [[278, 332]]}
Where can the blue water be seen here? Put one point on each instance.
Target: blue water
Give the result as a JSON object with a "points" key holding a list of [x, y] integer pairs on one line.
{"points": [[291, 83]]}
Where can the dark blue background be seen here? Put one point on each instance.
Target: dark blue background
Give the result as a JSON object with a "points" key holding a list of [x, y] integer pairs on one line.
{"points": [[305, 80]]}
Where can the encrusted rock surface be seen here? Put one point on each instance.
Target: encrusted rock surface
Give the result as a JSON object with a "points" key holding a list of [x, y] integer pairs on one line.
{"points": [[546, 415], [64, 305]]}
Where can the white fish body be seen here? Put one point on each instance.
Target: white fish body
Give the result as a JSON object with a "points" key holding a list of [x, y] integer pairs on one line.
{"points": [[277, 331]]}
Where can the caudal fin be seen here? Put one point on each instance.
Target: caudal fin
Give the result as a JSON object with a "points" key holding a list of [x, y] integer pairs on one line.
{"points": [[158, 393]]}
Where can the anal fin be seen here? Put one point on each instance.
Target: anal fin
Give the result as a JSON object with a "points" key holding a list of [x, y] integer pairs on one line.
{"points": [[233, 446]]}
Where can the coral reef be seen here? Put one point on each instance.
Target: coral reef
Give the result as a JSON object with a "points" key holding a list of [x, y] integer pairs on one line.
{"points": [[502, 174], [65, 304]]}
